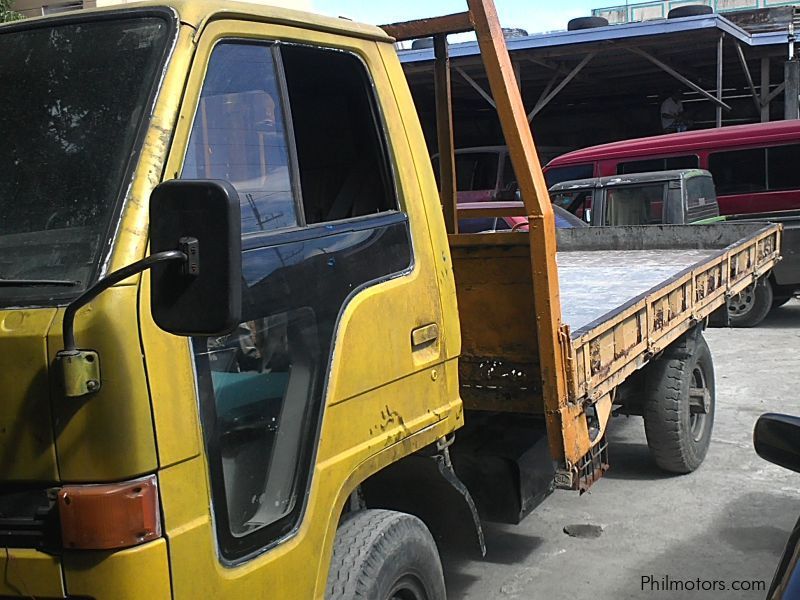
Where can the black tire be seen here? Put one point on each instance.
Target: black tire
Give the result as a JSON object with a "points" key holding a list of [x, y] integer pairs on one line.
{"points": [[586, 23], [678, 419], [780, 300], [752, 305], [420, 43], [384, 555], [690, 10]]}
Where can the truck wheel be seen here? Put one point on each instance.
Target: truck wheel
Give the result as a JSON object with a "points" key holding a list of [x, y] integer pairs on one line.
{"points": [[679, 405], [749, 307], [384, 555]]}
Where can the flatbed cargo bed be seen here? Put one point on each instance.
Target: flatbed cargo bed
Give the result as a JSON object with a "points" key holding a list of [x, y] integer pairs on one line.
{"points": [[605, 269], [595, 284], [626, 293]]}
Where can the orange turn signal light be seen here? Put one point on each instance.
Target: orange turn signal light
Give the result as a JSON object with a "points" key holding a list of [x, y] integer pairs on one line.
{"points": [[109, 516]]}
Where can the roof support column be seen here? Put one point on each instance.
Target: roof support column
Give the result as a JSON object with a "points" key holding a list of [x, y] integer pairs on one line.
{"points": [[765, 101], [719, 79], [791, 107]]}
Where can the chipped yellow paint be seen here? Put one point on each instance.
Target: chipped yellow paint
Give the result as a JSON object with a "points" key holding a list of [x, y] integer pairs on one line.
{"points": [[106, 436], [131, 241]]}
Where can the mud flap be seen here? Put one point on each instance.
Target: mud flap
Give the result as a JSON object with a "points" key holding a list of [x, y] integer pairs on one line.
{"points": [[506, 463], [426, 485]]}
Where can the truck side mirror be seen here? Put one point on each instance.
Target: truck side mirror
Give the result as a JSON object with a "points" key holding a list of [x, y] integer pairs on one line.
{"points": [[777, 439], [202, 218]]}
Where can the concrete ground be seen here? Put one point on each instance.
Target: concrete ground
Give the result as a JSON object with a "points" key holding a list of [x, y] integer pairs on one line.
{"points": [[727, 521]]}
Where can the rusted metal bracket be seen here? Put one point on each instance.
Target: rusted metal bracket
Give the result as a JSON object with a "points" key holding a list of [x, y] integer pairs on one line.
{"points": [[422, 28]]}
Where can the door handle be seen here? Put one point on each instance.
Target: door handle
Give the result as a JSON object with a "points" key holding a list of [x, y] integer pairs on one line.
{"points": [[424, 335]]}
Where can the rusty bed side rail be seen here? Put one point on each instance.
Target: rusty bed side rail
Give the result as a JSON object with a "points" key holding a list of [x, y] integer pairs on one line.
{"points": [[603, 357], [606, 355]]}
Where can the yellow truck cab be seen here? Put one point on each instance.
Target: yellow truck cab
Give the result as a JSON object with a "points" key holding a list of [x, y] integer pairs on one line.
{"points": [[231, 315]]}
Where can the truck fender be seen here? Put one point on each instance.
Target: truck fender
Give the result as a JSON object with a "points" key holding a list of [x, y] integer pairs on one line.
{"points": [[425, 485]]}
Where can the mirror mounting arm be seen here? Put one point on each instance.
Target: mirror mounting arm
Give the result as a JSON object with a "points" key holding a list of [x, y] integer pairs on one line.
{"points": [[187, 254]]}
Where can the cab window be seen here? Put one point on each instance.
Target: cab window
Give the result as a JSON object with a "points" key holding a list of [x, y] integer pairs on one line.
{"points": [[701, 199], [340, 151], [240, 133], [635, 205]]}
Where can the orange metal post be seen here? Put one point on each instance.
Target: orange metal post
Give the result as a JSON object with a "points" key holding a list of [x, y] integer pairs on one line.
{"points": [[533, 189]]}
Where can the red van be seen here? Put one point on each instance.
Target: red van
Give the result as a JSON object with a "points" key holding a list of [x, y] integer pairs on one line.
{"points": [[755, 167]]}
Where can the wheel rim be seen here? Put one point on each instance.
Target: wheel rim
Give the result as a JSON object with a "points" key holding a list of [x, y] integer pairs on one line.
{"points": [[742, 303], [407, 587], [699, 403]]}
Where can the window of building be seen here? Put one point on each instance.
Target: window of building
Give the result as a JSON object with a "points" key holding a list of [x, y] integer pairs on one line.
{"points": [[739, 171]]}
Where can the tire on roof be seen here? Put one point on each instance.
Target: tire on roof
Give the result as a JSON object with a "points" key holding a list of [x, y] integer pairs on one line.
{"points": [[690, 10], [586, 23]]}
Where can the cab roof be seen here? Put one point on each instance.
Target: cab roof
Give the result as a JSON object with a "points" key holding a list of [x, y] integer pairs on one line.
{"points": [[197, 13], [628, 179]]}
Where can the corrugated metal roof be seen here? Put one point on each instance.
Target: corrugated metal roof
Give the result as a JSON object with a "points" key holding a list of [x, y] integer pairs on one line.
{"points": [[709, 23]]}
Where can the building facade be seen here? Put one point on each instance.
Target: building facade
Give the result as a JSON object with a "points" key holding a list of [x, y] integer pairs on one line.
{"points": [[644, 11]]}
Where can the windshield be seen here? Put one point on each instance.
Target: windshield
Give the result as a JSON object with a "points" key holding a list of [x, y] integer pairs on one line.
{"points": [[72, 97]]}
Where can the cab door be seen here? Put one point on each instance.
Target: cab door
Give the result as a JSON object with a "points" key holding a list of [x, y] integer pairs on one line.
{"points": [[337, 354]]}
